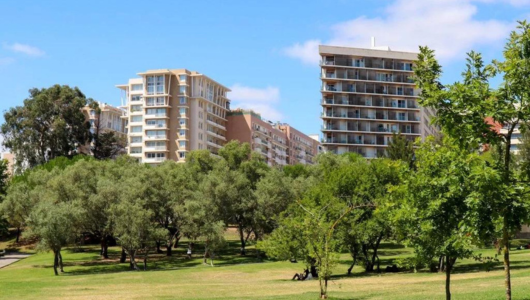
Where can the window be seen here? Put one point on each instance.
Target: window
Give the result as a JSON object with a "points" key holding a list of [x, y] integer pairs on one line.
{"points": [[135, 150], [182, 144], [182, 100], [200, 146], [136, 98], [513, 147], [182, 78], [156, 123], [137, 87], [92, 112], [156, 145], [182, 154], [182, 89], [159, 84], [159, 112], [182, 133], [182, 122], [136, 139], [182, 111], [135, 108], [155, 155], [160, 134], [200, 115], [136, 119], [200, 125], [136, 129], [150, 85], [200, 136], [156, 101]]}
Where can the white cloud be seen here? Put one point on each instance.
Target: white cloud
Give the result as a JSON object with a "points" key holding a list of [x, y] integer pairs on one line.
{"points": [[261, 100], [25, 49], [448, 26], [6, 61]]}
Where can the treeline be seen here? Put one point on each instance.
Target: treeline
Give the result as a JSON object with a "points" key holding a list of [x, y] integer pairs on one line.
{"points": [[145, 207]]}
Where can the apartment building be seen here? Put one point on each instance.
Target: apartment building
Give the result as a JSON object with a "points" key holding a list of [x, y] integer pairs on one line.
{"points": [[109, 119], [367, 95], [279, 143], [302, 148], [247, 126], [171, 112]]}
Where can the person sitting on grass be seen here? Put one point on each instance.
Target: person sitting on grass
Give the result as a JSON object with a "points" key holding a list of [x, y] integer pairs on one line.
{"points": [[302, 276]]}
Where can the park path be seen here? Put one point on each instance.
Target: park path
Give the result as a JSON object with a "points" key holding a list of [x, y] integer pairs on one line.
{"points": [[10, 258]]}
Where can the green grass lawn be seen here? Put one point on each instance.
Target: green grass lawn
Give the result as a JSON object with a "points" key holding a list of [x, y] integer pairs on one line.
{"points": [[234, 277]]}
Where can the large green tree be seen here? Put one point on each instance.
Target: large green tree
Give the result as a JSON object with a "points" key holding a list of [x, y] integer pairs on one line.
{"points": [[49, 124], [463, 107]]}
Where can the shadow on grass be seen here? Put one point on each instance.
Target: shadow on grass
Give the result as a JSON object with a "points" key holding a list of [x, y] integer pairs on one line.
{"points": [[94, 264]]}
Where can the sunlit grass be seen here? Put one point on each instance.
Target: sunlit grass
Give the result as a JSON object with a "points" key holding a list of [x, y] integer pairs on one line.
{"points": [[235, 277]]}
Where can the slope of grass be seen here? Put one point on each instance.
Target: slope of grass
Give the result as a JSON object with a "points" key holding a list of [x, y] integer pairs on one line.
{"points": [[234, 277]]}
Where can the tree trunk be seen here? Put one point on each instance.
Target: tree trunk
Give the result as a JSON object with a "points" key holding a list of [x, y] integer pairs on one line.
{"points": [[206, 254], [374, 255], [506, 252], [353, 264], [169, 248], [314, 272], [104, 247], [441, 266], [448, 268], [61, 261], [242, 238], [55, 262], [18, 235], [123, 256], [132, 254], [145, 259], [158, 250]]}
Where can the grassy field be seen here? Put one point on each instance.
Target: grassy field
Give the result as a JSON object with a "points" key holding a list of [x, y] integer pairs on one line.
{"points": [[234, 277]]}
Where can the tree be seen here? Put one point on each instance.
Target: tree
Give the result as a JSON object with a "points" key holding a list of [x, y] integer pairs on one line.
{"points": [[238, 176], [308, 229], [439, 215], [135, 231], [4, 177], [400, 148], [463, 107], [54, 224], [49, 124], [170, 186]]}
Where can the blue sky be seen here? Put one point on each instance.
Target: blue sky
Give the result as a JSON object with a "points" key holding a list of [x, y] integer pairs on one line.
{"points": [[264, 50]]}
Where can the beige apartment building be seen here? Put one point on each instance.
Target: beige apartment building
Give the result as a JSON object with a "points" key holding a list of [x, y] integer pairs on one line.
{"points": [[368, 94], [280, 144], [171, 112], [110, 118], [10, 157]]}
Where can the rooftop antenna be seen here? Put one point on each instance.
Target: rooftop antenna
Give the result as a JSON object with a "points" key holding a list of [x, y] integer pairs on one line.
{"points": [[373, 42]]}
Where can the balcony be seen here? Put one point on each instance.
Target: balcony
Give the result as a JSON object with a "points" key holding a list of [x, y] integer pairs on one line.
{"points": [[156, 148], [156, 115], [154, 159], [217, 135], [156, 137], [214, 144], [156, 126], [220, 126]]}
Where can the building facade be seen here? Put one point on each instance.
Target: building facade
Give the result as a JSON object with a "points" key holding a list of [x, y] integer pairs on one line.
{"points": [[247, 126], [110, 118], [280, 144], [367, 95], [172, 112], [302, 148]]}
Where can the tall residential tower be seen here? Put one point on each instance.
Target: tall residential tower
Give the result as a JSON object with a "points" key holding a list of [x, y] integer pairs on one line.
{"points": [[171, 112], [367, 94]]}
